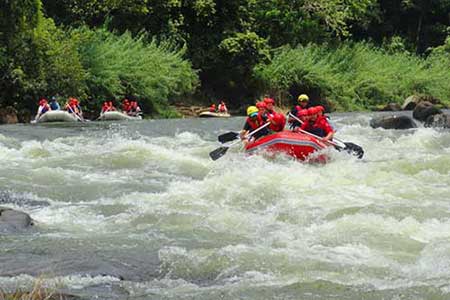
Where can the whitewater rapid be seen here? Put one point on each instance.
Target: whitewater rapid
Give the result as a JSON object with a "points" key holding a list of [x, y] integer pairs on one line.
{"points": [[139, 211]]}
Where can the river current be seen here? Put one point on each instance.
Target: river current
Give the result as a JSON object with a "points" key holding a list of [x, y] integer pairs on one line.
{"points": [[137, 210]]}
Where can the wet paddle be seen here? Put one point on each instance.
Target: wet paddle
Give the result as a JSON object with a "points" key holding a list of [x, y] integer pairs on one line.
{"points": [[221, 151], [73, 113], [351, 148], [228, 137]]}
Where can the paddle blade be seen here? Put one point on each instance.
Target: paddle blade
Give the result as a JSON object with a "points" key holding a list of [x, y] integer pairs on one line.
{"points": [[218, 153], [354, 149], [228, 137]]}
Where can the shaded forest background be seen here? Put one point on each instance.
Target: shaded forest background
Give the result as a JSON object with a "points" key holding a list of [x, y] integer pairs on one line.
{"points": [[355, 54]]}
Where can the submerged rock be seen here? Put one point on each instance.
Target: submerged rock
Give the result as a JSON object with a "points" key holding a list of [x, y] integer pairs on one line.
{"points": [[424, 110], [438, 120], [20, 200], [13, 220], [393, 122]]}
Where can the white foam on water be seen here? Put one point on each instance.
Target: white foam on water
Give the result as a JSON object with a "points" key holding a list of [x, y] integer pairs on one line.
{"points": [[246, 221]]}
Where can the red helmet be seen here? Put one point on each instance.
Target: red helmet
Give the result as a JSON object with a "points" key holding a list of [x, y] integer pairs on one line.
{"points": [[260, 105], [303, 112], [42, 101], [312, 111], [269, 100]]}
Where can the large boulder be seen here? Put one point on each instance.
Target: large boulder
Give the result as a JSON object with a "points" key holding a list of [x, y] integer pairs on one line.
{"points": [[411, 102], [425, 109], [391, 107], [438, 120], [13, 220], [8, 115], [393, 122]]}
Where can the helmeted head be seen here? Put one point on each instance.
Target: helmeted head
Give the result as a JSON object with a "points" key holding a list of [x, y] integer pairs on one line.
{"points": [[303, 115], [320, 110], [53, 99], [269, 103], [252, 111], [312, 112], [43, 101], [261, 105], [303, 100], [278, 122]]}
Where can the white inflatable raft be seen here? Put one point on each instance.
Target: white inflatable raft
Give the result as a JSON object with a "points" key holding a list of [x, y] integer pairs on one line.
{"points": [[56, 116], [117, 116], [208, 114]]}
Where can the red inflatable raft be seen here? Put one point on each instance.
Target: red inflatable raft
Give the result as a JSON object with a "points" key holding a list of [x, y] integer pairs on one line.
{"points": [[295, 144]]}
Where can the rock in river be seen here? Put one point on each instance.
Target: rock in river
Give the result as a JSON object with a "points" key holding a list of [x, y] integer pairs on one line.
{"points": [[12, 220], [393, 122]]}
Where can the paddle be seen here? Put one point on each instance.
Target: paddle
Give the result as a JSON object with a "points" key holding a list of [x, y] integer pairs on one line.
{"points": [[72, 112], [228, 137], [219, 152], [351, 148]]}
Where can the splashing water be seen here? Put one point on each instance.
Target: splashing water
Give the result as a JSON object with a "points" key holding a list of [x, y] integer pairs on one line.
{"points": [[139, 211]]}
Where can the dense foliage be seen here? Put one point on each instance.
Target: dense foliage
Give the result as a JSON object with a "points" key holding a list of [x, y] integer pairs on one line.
{"points": [[109, 48], [355, 76], [122, 65]]}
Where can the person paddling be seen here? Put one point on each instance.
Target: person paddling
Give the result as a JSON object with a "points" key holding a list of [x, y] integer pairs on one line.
{"points": [[126, 106], [223, 108], [43, 108], [321, 114], [73, 107], [135, 110], [107, 106], [212, 108], [318, 125], [302, 105], [254, 121], [277, 120], [54, 105]]}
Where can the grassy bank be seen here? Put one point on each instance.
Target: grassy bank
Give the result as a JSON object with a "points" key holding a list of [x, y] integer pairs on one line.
{"points": [[355, 76]]}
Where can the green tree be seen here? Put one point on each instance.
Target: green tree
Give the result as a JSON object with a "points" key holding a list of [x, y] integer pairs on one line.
{"points": [[37, 59]]}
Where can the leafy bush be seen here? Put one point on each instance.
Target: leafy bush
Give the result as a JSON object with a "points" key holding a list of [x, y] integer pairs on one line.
{"points": [[119, 65], [355, 76]]}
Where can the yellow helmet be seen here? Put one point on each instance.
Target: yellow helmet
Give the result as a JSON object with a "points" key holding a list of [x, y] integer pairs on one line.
{"points": [[303, 97], [252, 110]]}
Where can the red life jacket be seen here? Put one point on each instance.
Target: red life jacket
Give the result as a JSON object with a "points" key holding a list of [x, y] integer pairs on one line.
{"points": [[255, 123], [279, 121], [320, 127]]}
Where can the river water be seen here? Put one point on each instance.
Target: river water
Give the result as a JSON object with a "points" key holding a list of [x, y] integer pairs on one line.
{"points": [[139, 211]]}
